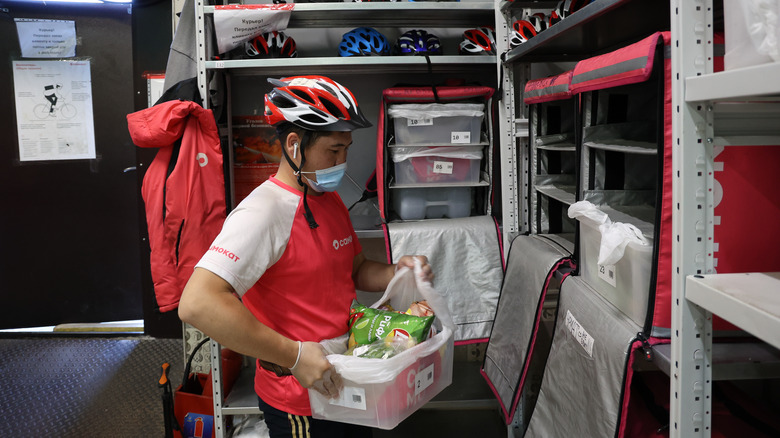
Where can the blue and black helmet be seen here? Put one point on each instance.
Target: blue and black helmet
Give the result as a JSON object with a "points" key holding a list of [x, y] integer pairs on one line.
{"points": [[418, 42], [363, 41]]}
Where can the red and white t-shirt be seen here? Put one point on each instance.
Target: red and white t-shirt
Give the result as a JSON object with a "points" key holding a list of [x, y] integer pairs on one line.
{"points": [[294, 279]]}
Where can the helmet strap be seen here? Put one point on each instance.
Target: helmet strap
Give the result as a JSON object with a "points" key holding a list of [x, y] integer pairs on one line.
{"points": [[302, 147]]}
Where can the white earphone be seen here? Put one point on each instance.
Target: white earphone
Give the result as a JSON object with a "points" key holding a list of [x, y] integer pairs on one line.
{"points": [[295, 151]]}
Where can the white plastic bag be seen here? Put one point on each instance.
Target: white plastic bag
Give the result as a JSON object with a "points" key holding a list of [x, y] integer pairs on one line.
{"points": [[402, 153], [615, 236], [405, 288]]}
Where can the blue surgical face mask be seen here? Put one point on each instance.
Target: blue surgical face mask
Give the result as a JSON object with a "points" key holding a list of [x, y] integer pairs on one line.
{"points": [[328, 180]]}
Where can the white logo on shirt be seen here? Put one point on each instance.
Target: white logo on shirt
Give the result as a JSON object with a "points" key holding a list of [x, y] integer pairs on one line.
{"points": [[340, 243], [202, 159]]}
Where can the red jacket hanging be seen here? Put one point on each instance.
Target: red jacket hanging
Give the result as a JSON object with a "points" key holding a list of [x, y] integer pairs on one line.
{"points": [[183, 189]]}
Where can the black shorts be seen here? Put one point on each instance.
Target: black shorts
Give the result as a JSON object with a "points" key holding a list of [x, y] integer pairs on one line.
{"points": [[283, 425]]}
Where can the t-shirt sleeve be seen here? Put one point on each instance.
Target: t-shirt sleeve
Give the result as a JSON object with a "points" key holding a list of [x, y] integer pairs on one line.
{"points": [[253, 238]]}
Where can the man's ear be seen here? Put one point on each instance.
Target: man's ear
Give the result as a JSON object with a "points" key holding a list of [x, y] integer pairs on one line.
{"points": [[293, 144]]}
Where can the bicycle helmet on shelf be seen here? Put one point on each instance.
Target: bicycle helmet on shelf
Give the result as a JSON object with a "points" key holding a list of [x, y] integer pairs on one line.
{"points": [[270, 45], [363, 41], [479, 41], [527, 28], [316, 103], [568, 7], [418, 42]]}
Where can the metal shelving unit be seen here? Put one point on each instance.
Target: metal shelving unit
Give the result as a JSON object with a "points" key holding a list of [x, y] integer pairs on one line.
{"points": [[748, 300], [242, 399]]}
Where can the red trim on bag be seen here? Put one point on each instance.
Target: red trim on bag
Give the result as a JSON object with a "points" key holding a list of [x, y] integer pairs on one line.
{"points": [[627, 65], [548, 89]]}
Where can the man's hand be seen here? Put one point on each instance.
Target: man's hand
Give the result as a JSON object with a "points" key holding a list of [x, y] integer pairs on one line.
{"points": [[314, 371], [408, 261]]}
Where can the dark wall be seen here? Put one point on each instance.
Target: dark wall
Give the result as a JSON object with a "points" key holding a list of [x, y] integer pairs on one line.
{"points": [[70, 228], [74, 234]]}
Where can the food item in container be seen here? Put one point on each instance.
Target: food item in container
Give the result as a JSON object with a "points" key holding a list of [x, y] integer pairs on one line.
{"points": [[368, 325]]}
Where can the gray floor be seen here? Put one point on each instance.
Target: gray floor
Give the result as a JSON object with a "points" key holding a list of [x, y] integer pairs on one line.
{"points": [[60, 386], [81, 386]]}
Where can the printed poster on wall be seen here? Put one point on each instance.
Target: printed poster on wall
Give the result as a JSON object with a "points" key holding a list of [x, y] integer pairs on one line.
{"points": [[46, 38], [54, 118]]}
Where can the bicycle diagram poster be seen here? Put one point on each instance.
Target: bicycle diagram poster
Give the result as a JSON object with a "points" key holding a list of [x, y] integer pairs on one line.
{"points": [[54, 116]]}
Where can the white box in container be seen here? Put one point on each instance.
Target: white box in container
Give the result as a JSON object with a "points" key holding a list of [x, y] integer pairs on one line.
{"points": [[437, 123], [432, 203], [752, 32], [383, 392], [448, 164], [625, 284]]}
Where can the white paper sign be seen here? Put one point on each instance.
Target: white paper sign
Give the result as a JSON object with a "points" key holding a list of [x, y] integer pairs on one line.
{"points": [[442, 167], [580, 335], [423, 379], [608, 274], [351, 397], [54, 110], [460, 137], [236, 24], [46, 38], [420, 122]]}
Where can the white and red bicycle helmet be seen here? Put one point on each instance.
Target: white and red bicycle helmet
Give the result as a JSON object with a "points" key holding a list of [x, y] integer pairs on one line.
{"points": [[315, 103], [527, 28], [270, 45], [479, 41]]}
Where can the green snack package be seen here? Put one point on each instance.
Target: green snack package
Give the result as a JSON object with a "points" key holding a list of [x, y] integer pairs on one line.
{"points": [[367, 325]]}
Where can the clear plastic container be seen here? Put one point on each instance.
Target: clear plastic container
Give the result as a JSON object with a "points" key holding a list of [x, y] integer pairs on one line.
{"points": [[432, 203], [437, 123], [387, 403], [431, 165], [626, 284]]}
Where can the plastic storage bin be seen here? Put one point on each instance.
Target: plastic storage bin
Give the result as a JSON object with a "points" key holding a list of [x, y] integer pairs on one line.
{"points": [[383, 392], [625, 284], [386, 403], [437, 123], [423, 165], [432, 203]]}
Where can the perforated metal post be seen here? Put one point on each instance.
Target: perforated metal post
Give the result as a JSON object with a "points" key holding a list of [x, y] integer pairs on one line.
{"points": [[692, 223]]}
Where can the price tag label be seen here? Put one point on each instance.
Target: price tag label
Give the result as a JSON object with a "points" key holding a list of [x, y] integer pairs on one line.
{"points": [[220, 64], [460, 137], [580, 335], [419, 122], [423, 379], [608, 274], [351, 397], [442, 167]]}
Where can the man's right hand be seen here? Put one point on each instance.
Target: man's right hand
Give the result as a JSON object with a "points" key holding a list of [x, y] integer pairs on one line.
{"points": [[314, 371]]}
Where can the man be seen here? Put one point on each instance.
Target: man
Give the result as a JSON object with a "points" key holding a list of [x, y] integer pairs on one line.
{"points": [[290, 252]]}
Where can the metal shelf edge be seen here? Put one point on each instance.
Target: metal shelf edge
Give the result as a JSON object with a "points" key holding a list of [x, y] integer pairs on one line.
{"points": [[734, 84], [748, 300]]}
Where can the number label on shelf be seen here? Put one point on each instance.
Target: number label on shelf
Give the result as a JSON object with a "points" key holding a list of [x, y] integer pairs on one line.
{"points": [[420, 122], [443, 167], [219, 64], [608, 274], [460, 137]]}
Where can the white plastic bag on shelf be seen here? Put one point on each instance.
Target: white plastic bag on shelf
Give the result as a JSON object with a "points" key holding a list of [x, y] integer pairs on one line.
{"points": [[405, 288], [402, 153], [615, 236], [752, 30]]}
